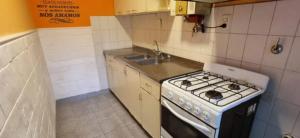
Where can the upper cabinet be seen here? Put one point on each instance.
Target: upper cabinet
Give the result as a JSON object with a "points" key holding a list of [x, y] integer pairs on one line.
{"points": [[127, 7], [157, 5]]}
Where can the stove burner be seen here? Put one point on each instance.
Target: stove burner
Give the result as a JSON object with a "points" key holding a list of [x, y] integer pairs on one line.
{"points": [[212, 94], [186, 83], [205, 77], [234, 86]]}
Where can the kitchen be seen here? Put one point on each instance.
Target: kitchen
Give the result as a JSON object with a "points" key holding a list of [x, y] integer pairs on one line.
{"points": [[150, 68]]}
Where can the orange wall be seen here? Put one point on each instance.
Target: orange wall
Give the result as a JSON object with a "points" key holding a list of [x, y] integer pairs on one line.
{"points": [[86, 9], [15, 17]]}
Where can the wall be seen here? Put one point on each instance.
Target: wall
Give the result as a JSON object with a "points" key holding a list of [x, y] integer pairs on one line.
{"points": [[27, 106], [71, 60], [17, 20], [246, 43], [109, 32]]}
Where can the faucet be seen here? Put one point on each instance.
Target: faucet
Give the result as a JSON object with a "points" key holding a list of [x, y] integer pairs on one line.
{"points": [[156, 51]]}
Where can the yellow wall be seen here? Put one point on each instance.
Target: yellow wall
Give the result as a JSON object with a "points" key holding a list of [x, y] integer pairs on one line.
{"points": [[14, 17]]}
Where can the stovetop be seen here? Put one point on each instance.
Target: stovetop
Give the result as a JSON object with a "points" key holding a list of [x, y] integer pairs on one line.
{"points": [[214, 88]]}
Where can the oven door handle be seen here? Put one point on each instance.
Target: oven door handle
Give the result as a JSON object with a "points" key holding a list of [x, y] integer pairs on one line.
{"points": [[201, 127]]}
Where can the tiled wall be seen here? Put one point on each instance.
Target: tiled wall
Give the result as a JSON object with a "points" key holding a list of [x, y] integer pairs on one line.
{"points": [[70, 57], [109, 32], [246, 43], [27, 105]]}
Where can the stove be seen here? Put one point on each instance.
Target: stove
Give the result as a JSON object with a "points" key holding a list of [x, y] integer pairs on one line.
{"points": [[213, 88], [210, 95]]}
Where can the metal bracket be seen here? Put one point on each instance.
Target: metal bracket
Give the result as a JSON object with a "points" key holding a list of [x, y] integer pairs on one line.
{"points": [[277, 48]]}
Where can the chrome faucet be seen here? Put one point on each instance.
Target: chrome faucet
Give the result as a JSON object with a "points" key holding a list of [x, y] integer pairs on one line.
{"points": [[156, 51]]}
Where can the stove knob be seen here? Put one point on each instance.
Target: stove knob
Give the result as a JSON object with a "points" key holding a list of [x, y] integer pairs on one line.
{"points": [[189, 106], [181, 101], [197, 110], [205, 116]]}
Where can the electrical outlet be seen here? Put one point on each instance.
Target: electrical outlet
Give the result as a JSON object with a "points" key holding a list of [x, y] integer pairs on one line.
{"points": [[226, 18]]}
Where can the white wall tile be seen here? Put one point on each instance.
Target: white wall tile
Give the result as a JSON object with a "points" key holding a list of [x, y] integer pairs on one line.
{"points": [[275, 76], [264, 110], [274, 132], [2, 118], [284, 115], [220, 45], [24, 68], [241, 18], [293, 61], [298, 33], [218, 18], [10, 50], [258, 129], [254, 48], [232, 62], [289, 90], [250, 66], [286, 18], [277, 60], [236, 46], [78, 43], [11, 87], [261, 18], [296, 131]]}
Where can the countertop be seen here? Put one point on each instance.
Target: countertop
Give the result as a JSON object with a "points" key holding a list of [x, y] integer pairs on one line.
{"points": [[158, 72]]}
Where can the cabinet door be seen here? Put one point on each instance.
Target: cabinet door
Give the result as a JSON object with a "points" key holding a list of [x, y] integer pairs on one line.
{"points": [[157, 5], [109, 73], [120, 7], [137, 6], [133, 93], [121, 84], [118, 79], [150, 114]]}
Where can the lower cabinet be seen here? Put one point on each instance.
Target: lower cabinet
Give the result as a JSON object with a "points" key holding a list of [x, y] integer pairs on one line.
{"points": [[138, 93], [133, 92], [150, 114]]}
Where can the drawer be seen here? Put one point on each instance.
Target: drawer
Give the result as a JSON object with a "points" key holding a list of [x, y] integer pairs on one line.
{"points": [[151, 86]]}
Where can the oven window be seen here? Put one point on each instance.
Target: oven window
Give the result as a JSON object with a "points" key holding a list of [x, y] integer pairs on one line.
{"points": [[178, 128]]}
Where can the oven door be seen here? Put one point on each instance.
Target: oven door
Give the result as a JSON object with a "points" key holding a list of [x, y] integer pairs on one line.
{"points": [[178, 123]]}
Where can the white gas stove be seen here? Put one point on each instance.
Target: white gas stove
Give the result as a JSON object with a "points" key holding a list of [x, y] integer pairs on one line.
{"points": [[207, 95]]}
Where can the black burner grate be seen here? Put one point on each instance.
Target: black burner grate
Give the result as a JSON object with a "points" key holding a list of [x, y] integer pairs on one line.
{"points": [[213, 81]]}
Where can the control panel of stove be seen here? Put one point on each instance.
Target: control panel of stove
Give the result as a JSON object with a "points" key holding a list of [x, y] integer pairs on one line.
{"points": [[193, 107]]}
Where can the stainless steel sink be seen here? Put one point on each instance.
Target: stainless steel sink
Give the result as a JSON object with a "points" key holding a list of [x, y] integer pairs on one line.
{"points": [[137, 58], [150, 61], [147, 59]]}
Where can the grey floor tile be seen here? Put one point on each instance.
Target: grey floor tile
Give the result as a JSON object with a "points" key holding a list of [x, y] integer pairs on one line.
{"points": [[119, 132], [95, 115]]}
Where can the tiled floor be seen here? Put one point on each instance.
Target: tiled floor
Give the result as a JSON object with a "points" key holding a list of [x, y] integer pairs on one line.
{"points": [[95, 115]]}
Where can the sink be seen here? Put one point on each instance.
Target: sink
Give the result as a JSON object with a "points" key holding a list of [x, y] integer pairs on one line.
{"points": [[137, 58], [146, 59], [150, 61]]}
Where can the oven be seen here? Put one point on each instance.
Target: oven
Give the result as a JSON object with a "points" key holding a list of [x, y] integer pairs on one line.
{"points": [[178, 123]]}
